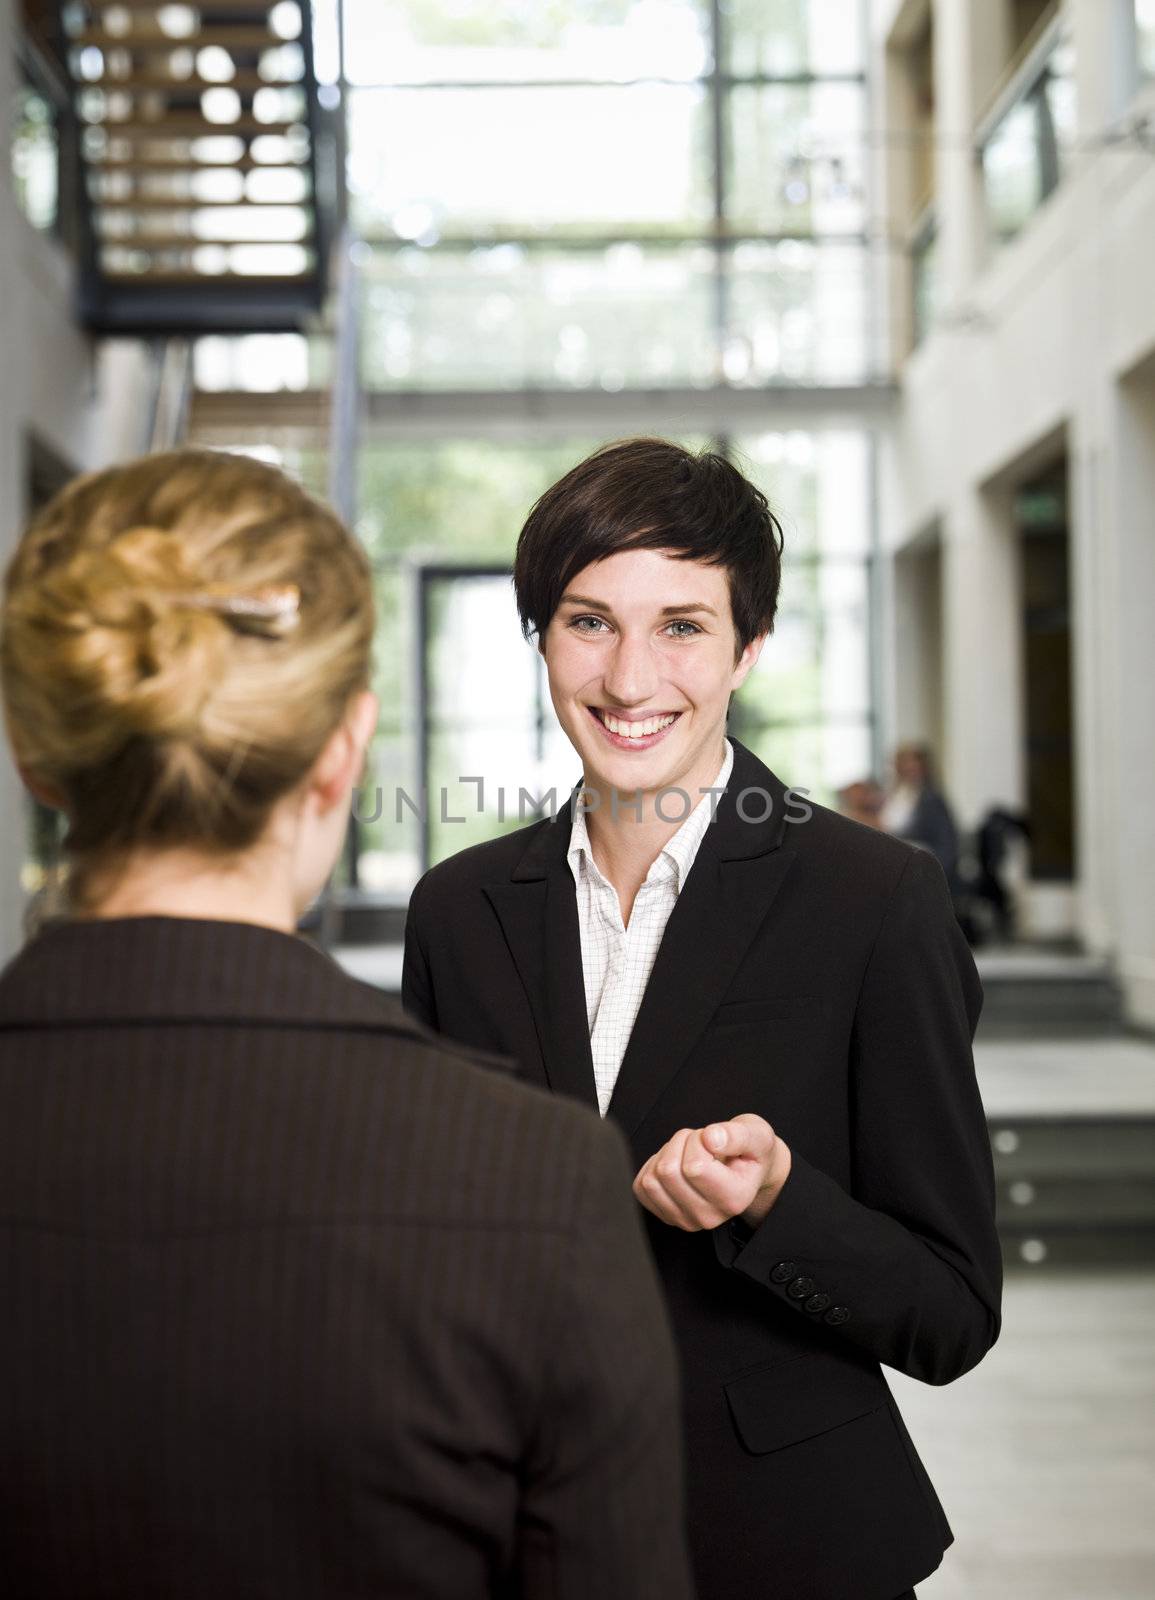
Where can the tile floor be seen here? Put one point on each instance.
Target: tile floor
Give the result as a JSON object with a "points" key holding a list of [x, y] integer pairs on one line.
{"points": [[1044, 1455]]}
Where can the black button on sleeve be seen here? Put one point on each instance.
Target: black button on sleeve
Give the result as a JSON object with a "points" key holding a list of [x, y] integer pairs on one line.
{"points": [[800, 1288], [836, 1316], [817, 1302], [783, 1272]]}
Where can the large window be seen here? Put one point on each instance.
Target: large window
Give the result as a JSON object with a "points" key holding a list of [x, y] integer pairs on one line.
{"points": [[36, 155], [1026, 142], [1145, 29], [614, 193]]}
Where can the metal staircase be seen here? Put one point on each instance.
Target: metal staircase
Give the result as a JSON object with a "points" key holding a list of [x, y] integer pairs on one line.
{"points": [[200, 140]]}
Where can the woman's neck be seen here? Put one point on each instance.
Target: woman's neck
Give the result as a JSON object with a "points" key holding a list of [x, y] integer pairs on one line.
{"points": [[628, 832], [186, 883]]}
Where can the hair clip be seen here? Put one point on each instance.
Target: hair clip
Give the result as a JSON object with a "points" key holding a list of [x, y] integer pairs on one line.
{"points": [[278, 604]]}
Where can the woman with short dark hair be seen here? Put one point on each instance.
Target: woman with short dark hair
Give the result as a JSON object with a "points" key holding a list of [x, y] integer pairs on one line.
{"points": [[776, 1006]]}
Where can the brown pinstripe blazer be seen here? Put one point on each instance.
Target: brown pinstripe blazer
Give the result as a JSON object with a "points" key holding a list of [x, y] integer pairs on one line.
{"points": [[299, 1302]]}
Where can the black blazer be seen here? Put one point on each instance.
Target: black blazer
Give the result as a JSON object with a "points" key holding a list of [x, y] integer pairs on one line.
{"points": [[812, 971], [298, 1302]]}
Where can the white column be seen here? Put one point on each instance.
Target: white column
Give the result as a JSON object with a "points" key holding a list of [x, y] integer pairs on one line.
{"points": [[982, 656], [967, 40], [1106, 71], [1130, 643]]}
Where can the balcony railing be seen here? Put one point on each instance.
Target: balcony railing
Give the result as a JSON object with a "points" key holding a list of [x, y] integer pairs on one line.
{"points": [[924, 273], [1025, 140]]}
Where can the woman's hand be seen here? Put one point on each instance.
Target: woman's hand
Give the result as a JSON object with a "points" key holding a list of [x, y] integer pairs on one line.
{"points": [[703, 1177]]}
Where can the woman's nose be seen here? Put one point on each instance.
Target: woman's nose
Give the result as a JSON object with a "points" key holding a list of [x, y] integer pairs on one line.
{"points": [[631, 674]]}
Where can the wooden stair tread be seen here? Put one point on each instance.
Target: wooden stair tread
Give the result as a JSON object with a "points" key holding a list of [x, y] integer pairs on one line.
{"points": [[174, 164], [205, 280], [215, 7], [196, 84], [188, 202], [181, 126], [185, 241], [152, 39]]}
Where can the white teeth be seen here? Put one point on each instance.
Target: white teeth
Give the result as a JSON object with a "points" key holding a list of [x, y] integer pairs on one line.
{"points": [[636, 730]]}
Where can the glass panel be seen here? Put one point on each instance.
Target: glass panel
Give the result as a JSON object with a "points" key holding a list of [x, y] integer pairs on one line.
{"points": [[818, 757], [816, 664], [510, 41], [489, 718], [1145, 27], [1011, 174], [327, 40], [426, 162], [924, 279], [261, 363], [387, 826], [452, 500], [35, 158], [797, 311], [1025, 157], [309, 466], [506, 317], [796, 158], [779, 38], [457, 498], [818, 485]]}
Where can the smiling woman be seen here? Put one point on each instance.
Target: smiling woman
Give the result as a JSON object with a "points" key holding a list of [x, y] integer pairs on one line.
{"points": [[642, 693], [652, 494], [779, 1017]]}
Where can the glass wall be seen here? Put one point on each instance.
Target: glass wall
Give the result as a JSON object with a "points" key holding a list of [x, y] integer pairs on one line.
{"points": [[613, 193], [1145, 28], [36, 155], [587, 196], [1025, 153]]}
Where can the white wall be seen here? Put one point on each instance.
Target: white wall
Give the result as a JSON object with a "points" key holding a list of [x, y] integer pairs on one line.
{"points": [[1029, 357], [87, 406]]}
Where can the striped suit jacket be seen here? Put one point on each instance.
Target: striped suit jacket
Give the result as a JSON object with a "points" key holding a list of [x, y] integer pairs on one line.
{"points": [[298, 1301]]}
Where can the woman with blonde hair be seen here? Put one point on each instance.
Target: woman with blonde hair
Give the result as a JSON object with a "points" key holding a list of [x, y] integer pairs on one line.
{"points": [[297, 1301]]}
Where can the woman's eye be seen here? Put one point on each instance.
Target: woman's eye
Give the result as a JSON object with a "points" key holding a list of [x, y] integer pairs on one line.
{"points": [[587, 624], [681, 629]]}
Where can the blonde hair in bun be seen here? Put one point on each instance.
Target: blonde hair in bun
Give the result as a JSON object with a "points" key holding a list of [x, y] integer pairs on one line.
{"points": [[149, 680]]}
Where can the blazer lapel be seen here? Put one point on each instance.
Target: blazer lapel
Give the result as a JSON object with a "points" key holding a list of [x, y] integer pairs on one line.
{"points": [[731, 887], [537, 910]]}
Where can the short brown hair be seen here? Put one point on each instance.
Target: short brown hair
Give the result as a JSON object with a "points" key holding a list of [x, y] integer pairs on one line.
{"points": [[158, 722], [652, 494]]}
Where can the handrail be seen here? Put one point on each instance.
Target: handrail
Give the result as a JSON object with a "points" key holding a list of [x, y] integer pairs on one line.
{"points": [[172, 395], [1021, 78], [44, 72]]}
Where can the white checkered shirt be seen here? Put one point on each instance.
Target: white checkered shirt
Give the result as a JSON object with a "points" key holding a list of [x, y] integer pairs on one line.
{"points": [[617, 960]]}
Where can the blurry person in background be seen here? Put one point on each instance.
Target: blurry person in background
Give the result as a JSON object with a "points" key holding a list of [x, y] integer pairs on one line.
{"points": [[862, 802], [297, 1300], [776, 1007], [916, 810]]}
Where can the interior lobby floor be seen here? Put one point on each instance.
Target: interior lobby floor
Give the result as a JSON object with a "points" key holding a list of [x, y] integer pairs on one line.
{"points": [[1044, 1455], [1067, 1077]]}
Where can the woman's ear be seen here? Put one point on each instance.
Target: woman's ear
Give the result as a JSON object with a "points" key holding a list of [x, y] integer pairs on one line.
{"points": [[746, 660], [341, 765]]}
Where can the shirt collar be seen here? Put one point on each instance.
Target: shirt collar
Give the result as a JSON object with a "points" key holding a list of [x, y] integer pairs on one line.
{"points": [[678, 853]]}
